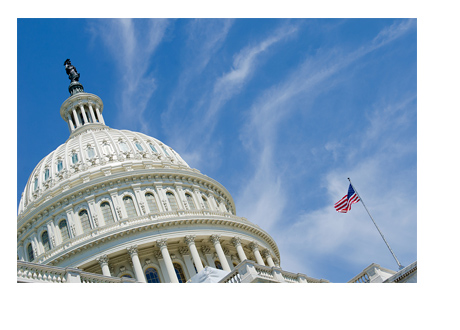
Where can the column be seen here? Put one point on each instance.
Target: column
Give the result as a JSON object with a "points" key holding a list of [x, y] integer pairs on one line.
{"points": [[104, 262], [190, 240], [161, 243], [185, 253], [215, 239], [83, 112], [161, 261], [237, 242], [268, 257], [91, 111], [99, 115], [132, 250], [71, 124], [255, 249], [75, 117]]}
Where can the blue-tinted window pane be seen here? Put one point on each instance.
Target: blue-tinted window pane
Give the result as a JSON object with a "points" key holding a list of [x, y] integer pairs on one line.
{"points": [[153, 148], [35, 184], [124, 147], [165, 151], [59, 165], [138, 146], [46, 241], [179, 273], [47, 173], [151, 275], [30, 252], [74, 158], [90, 152]]}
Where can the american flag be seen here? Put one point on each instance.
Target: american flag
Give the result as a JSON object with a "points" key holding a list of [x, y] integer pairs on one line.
{"points": [[344, 205]]}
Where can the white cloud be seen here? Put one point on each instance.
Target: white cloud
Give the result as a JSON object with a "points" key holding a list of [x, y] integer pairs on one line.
{"points": [[132, 44]]}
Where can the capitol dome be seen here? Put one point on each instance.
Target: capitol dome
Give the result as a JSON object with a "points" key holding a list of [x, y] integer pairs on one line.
{"points": [[123, 204]]}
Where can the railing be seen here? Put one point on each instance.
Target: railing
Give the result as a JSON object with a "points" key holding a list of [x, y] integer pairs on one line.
{"points": [[29, 272], [250, 272]]}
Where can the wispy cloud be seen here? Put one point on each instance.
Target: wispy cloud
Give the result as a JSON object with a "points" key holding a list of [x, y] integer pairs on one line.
{"points": [[132, 44], [225, 87]]}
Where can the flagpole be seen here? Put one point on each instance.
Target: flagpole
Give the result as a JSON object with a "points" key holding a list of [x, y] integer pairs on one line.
{"points": [[389, 248]]}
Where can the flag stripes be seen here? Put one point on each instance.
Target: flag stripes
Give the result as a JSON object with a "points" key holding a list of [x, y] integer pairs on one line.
{"points": [[344, 205]]}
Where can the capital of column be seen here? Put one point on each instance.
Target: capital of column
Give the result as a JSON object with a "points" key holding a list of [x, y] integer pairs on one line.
{"points": [[132, 250], [266, 253], [161, 243], [189, 239], [103, 260], [236, 241], [215, 239], [254, 246]]}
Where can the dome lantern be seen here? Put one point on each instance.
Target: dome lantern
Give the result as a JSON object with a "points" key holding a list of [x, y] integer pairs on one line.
{"points": [[80, 110]]}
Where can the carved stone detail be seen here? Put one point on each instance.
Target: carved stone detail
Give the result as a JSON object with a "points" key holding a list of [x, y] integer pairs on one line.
{"points": [[254, 246], [132, 250], [236, 241], [266, 253], [161, 242], [189, 239], [215, 238], [183, 250], [205, 249], [103, 260]]}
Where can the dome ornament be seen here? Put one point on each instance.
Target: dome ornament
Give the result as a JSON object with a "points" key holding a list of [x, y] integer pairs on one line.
{"points": [[75, 86]]}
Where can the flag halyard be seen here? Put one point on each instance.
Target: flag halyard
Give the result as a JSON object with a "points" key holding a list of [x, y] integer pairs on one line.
{"points": [[344, 205]]}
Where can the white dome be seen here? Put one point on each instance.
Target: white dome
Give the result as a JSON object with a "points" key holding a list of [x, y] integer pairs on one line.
{"points": [[97, 151]]}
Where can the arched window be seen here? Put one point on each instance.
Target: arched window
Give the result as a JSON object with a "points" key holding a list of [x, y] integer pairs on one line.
{"points": [[218, 264], [151, 274], [84, 219], [107, 149], [217, 204], [179, 273], [153, 207], [153, 148], [172, 200], [205, 203], [64, 230], [107, 213], [30, 252], [129, 206], [127, 276], [35, 184], [190, 202], [46, 241]]}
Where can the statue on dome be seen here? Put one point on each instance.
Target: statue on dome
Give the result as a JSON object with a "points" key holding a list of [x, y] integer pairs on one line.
{"points": [[71, 71]]}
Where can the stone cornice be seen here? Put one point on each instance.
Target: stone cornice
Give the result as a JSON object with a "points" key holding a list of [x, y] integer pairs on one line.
{"points": [[151, 223]]}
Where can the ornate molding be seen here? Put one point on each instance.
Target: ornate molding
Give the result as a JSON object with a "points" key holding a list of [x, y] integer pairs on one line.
{"points": [[183, 250], [103, 260], [254, 246], [215, 239], [161, 242], [190, 239], [205, 249], [236, 241], [132, 250]]}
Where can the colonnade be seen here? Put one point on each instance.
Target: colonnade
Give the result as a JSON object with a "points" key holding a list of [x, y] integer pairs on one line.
{"points": [[191, 257], [75, 121]]}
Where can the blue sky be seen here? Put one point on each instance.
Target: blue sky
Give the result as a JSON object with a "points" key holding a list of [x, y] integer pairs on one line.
{"points": [[280, 111]]}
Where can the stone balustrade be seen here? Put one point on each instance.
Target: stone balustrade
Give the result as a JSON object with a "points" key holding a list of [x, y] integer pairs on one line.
{"points": [[29, 272], [249, 271]]}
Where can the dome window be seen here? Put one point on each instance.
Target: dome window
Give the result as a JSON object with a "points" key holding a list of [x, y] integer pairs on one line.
{"points": [[107, 213], [64, 230], [138, 146], [153, 148], [205, 203], [59, 165], [151, 203], [124, 146], [90, 151], [172, 200], [74, 158], [165, 151], [84, 220], [190, 202], [35, 184], [129, 206], [46, 241], [30, 252], [47, 173]]}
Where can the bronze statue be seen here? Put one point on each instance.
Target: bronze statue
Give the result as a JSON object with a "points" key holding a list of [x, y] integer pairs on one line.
{"points": [[71, 71]]}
